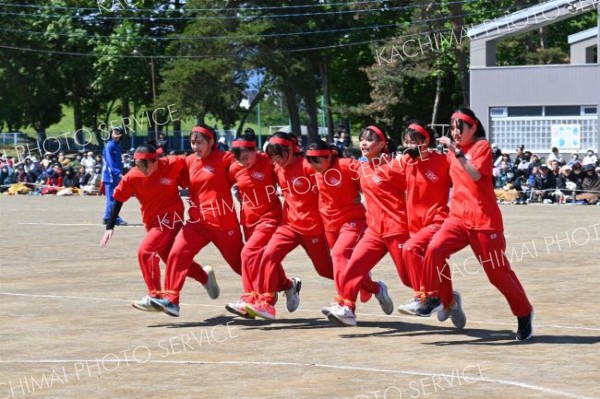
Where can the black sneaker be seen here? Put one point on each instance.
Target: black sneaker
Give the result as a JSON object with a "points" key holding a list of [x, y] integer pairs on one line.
{"points": [[525, 330], [431, 305]]}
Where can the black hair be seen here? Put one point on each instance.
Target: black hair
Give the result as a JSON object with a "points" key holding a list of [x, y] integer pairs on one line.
{"points": [[282, 150], [321, 145], [247, 136], [369, 134], [210, 129], [480, 132], [149, 147], [416, 135]]}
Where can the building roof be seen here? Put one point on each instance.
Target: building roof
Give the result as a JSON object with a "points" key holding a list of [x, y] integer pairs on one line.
{"points": [[531, 18], [583, 35]]}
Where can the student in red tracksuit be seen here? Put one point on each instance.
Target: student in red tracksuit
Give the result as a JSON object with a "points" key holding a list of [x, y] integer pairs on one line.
{"points": [[155, 183], [211, 216], [301, 225], [427, 191], [474, 220], [260, 213], [387, 228], [341, 208]]}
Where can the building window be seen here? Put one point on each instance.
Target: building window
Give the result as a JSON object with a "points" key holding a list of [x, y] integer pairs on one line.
{"points": [[525, 111], [562, 110]]}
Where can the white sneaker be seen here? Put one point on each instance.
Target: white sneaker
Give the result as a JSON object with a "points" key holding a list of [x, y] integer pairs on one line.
{"points": [[145, 304], [457, 315], [342, 315], [293, 295], [239, 308], [454, 312], [211, 286], [386, 303], [411, 307]]}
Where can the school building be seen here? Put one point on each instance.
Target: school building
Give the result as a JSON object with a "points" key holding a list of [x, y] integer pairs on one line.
{"points": [[539, 106]]}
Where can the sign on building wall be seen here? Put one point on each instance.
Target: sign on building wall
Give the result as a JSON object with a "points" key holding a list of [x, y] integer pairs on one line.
{"points": [[566, 137]]}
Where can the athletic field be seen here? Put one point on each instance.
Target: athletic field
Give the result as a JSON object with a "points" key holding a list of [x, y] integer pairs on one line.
{"points": [[67, 328]]}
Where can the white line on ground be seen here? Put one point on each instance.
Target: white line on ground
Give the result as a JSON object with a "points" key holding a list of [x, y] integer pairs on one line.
{"points": [[320, 365], [299, 311]]}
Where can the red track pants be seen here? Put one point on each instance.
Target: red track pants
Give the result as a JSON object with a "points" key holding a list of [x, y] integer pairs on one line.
{"points": [[257, 238], [283, 242], [489, 247], [369, 251], [157, 244], [342, 244], [413, 253], [189, 241]]}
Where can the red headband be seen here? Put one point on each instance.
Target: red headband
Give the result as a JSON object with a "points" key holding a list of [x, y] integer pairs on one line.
{"points": [[203, 131], [464, 117], [206, 133], [420, 129], [378, 132], [148, 155], [243, 144], [281, 141], [318, 153]]}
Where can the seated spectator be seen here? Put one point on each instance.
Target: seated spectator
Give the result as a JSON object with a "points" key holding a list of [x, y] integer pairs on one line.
{"points": [[45, 162], [590, 158], [591, 186], [82, 176], [554, 168], [555, 156], [504, 157], [54, 181], [6, 178], [93, 185], [77, 161], [577, 176], [574, 159], [506, 184], [496, 151], [562, 190], [63, 160], [519, 155], [535, 161], [544, 184], [69, 179], [523, 169], [89, 162]]}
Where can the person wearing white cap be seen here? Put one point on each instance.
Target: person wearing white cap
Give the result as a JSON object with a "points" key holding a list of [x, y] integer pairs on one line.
{"points": [[89, 163]]}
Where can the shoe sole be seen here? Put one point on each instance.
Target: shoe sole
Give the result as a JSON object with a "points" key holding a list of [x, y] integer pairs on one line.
{"points": [[383, 303], [298, 285], [407, 312], [434, 310], [165, 309], [212, 276], [238, 313], [255, 314], [332, 318], [463, 319], [152, 308]]}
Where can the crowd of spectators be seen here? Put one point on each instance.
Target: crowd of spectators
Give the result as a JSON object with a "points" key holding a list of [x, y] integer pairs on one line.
{"points": [[528, 178], [60, 174], [520, 179]]}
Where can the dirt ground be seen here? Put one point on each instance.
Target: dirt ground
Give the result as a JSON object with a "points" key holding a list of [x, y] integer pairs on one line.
{"points": [[67, 328]]}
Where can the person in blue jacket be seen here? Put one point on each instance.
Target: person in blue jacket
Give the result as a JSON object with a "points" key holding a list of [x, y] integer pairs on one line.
{"points": [[112, 170]]}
